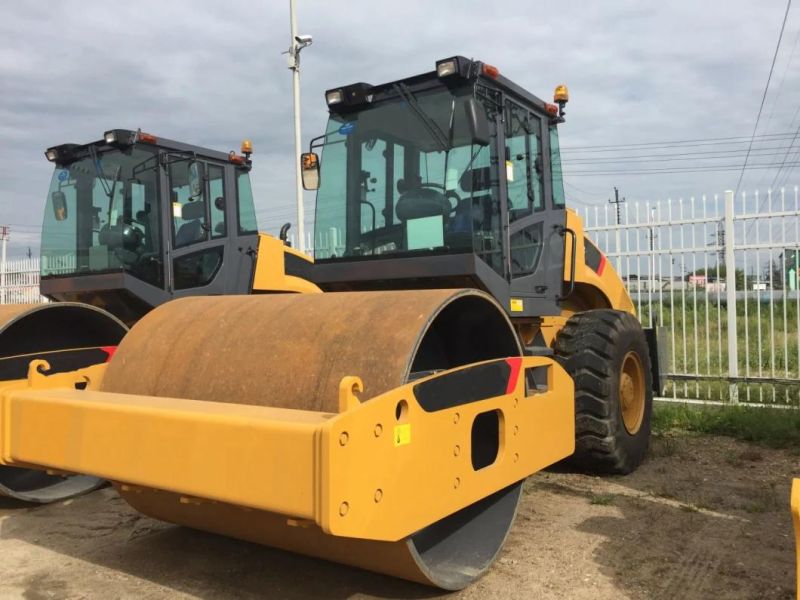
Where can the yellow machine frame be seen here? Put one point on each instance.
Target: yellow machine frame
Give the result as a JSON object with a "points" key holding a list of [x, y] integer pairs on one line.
{"points": [[345, 472], [601, 288], [796, 522], [270, 272]]}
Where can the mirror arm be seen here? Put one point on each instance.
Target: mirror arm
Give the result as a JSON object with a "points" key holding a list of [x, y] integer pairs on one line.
{"points": [[284, 234]]}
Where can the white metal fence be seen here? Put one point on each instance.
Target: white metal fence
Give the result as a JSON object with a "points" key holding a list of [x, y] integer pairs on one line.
{"points": [[21, 282], [675, 257], [733, 339]]}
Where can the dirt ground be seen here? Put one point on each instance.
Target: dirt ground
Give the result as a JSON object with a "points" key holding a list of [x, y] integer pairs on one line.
{"points": [[704, 517]]}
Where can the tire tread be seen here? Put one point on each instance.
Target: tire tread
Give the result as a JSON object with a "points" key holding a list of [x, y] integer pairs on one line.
{"points": [[586, 347]]}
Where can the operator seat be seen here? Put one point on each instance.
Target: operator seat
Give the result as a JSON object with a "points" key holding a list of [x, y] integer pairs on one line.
{"points": [[474, 211], [193, 230], [417, 202]]}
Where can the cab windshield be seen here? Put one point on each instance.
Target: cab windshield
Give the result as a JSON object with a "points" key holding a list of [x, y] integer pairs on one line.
{"points": [[403, 177], [102, 215]]}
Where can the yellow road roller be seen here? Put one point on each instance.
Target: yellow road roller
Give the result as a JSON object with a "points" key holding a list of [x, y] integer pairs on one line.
{"points": [[795, 506], [379, 405]]}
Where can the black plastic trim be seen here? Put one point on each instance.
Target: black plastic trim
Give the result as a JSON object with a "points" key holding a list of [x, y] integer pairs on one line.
{"points": [[297, 267], [464, 386]]}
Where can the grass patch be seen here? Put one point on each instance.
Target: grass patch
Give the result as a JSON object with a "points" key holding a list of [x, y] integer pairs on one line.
{"points": [[775, 428], [601, 499], [698, 325]]}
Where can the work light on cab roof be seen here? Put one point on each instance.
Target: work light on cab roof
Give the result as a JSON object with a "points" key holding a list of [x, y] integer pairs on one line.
{"points": [[247, 148], [126, 137], [561, 97]]}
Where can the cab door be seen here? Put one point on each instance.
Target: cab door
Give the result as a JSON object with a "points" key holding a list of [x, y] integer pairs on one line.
{"points": [[199, 231], [535, 224]]}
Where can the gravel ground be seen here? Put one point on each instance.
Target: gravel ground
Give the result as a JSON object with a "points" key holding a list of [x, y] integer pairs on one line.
{"points": [[704, 517]]}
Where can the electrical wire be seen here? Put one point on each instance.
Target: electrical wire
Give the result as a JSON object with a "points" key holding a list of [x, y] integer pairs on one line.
{"points": [[778, 94], [796, 133], [584, 191], [682, 143], [702, 169], [764, 96], [677, 156]]}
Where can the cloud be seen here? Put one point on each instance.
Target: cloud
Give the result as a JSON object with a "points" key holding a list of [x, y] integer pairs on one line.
{"points": [[207, 74]]}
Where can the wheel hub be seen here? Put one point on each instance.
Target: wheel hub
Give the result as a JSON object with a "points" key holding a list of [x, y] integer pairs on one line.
{"points": [[632, 392]]}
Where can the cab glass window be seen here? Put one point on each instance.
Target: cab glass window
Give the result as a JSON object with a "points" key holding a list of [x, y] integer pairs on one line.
{"points": [[103, 215], [555, 162], [197, 268], [523, 163], [188, 202], [216, 195], [397, 179], [526, 250], [246, 210]]}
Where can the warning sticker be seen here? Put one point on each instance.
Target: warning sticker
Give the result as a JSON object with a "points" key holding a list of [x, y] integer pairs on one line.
{"points": [[402, 434], [517, 305]]}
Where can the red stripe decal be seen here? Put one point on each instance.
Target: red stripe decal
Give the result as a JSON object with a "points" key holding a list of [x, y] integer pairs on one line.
{"points": [[602, 264], [515, 364], [109, 350]]}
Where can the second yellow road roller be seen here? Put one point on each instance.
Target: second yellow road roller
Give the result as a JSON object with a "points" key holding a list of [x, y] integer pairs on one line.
{"points": [[379, 405]]}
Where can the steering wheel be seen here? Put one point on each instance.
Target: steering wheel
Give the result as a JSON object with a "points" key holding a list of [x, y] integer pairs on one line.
{"points": [[449, 194]]}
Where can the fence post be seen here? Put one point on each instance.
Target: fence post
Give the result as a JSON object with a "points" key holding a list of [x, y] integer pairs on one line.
{"points": [[730, 295], [3, 265]]}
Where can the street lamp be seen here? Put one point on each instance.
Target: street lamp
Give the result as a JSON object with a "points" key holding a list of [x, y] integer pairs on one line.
{"points": [[297, 43]]}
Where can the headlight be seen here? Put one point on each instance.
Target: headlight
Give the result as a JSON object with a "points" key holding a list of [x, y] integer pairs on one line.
{"points": [[445, 68], [51, 154], [334, 97], [110, 137]]}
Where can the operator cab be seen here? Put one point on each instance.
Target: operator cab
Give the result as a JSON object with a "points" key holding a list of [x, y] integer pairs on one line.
{"points": [[454, 176], [133, 220]]}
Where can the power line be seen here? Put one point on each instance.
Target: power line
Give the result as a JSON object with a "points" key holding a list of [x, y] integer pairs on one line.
{"points": [[797, 131], [694, 142], [585, 191], [676, 156], [786, 157], [573, 197], [790, 167], [791, 124], [704, 169], [783, 78], [780, 90], [764, 96]]}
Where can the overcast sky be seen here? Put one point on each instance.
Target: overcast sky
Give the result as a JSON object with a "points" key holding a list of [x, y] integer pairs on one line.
{"points": [[212, 73]]}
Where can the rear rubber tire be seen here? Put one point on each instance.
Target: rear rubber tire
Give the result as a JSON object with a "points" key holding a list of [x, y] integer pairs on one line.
{"points": [[593, 347]]}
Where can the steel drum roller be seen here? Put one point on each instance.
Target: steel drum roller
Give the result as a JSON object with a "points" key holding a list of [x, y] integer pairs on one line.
{"points": [[69, 336], [291, 351]]}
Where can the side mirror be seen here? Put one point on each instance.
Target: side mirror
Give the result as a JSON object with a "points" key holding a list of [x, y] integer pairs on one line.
{"points": [[59, 205], [477, 122], [195, 179], [309, 168]]}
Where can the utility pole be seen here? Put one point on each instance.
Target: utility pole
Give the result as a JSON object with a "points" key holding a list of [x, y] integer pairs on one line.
{"points": [[652, 235], [296, 44], [617, 201], [4, 231], [721, 243]]}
